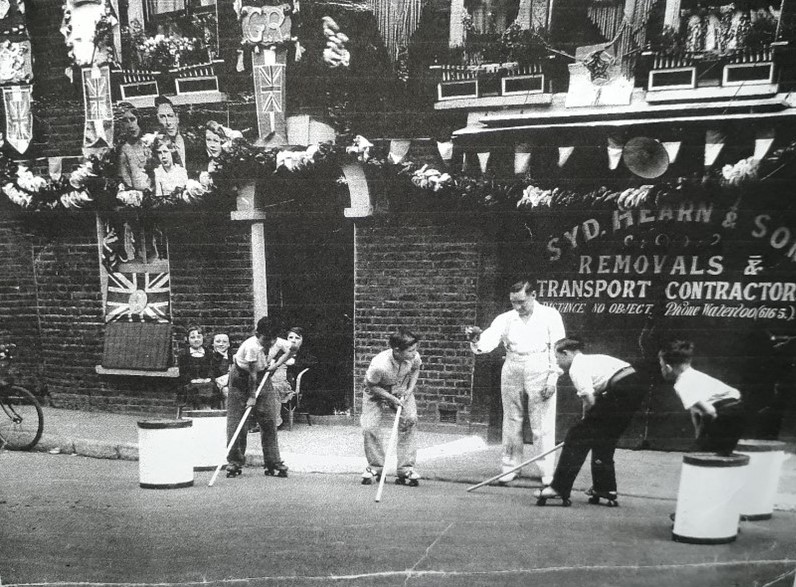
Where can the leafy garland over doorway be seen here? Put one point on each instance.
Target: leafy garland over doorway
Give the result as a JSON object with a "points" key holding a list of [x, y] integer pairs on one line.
{"points": [[94, 184]]}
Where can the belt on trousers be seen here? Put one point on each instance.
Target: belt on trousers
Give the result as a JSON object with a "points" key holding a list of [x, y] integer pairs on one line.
{"points": [[619, 375], [726, 403], [513, 355]]}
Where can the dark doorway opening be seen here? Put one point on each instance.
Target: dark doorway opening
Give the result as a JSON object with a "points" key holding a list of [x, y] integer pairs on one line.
{"points": [[310, 276]]}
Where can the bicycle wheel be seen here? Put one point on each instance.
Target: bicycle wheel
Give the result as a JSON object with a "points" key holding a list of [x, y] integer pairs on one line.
{"points": [[21, 419]]}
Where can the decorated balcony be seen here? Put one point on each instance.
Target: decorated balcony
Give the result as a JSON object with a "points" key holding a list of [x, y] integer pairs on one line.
{"points": [[654, 56]]}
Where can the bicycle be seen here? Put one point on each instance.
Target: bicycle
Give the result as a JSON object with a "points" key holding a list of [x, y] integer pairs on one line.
{"points": [[21, 416]]}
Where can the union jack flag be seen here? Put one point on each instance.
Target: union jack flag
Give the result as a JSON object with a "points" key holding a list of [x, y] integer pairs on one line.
{"points": [[269, 78], [138, 297], [19, 118]]}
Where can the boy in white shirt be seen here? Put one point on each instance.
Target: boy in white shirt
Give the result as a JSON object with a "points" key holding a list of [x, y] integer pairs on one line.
{"points": [[611, 391], [716, 409]]}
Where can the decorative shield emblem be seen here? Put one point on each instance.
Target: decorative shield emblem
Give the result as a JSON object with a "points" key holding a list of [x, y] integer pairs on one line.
{"points": [[19, 118], [267, 25]]}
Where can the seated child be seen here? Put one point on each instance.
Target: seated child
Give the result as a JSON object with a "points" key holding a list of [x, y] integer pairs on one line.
{"points": [[196, 386], [290, 347], [220, 360]]}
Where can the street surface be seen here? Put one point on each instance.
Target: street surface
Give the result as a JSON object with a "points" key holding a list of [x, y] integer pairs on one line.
{"points": [[67, 520]]}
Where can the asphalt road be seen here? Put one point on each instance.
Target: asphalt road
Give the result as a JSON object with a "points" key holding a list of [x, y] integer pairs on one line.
{"points": [[66, 520]]}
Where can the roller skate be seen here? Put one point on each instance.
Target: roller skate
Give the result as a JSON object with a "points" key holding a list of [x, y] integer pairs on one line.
{"points": [[410, 478], [234, 471], [369, 476], [608, 496], [276, 469], [542, 495]]}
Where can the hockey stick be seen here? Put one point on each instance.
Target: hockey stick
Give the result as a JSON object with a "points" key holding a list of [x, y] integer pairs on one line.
{"points": [[517, 468], [239, 428], [393, 445]]}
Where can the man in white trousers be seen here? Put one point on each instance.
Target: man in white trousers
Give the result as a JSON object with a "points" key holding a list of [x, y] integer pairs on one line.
{"points": [[529, 332]]}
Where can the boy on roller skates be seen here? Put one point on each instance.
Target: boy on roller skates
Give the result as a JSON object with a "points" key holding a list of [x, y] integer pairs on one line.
{"points": [[390, 382], [611, 391]]}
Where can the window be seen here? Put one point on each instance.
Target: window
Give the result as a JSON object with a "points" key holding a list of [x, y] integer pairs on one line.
{"points": [[168, 47]]}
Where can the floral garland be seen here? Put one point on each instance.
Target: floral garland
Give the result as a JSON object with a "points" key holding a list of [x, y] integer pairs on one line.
{"points": [[88, 186]]}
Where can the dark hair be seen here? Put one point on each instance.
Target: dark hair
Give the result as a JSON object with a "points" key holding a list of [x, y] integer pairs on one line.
{"points": [[266, 327], [161, 99], [164, 140], [296, 330], [571, 343], [128, 107], [677, 352], [191, 327], [402, 339], [523, 285]]}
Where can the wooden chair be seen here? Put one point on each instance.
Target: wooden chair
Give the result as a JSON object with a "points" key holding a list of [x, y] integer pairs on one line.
{"points": [[294, 403]]}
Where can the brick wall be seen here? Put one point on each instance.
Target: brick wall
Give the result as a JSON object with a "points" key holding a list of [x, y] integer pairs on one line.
{"points": [[19, 321], [422, 275], [51, 304]]}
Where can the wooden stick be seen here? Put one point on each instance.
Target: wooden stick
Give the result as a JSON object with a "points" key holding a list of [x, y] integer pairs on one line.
{"points": [[517, 468], [393, 443], [239, 428]]}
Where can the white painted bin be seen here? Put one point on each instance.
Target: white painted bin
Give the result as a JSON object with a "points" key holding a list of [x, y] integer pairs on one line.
{"points": [[208, 439], [762, 477], [165, 459], [708, 505]]}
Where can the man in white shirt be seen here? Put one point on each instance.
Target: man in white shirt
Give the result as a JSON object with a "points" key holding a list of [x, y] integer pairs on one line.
{"points": [[611, 391], [716, 409], [528, 332]]}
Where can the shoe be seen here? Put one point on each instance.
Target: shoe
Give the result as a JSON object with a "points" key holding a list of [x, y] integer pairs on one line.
{"points": [[409, 477], [546, 493], [547, 480], [276, 469], [370, 475], [507, 478]]}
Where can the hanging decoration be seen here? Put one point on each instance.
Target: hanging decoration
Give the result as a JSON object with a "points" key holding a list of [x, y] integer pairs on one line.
{"points": [[98, 128], [87, 187], [335, 54], [266, 32], [87, 28], [397, 21], [19, 116], [16, 74]]}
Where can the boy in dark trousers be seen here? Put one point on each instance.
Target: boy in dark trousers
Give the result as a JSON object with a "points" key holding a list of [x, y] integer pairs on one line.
{"points": [[611, 391], [716, 409]]}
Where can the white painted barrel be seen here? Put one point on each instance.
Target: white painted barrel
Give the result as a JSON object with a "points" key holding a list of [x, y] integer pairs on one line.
{"points": [[208, 438], [708, 508], [165, 458], [762, 477]]}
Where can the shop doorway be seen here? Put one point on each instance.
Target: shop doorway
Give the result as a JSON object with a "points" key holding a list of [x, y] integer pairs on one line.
{"points": [[310, 276]]}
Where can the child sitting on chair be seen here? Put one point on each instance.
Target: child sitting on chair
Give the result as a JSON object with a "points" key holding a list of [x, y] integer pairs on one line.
{"points": [[289, 346]]}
